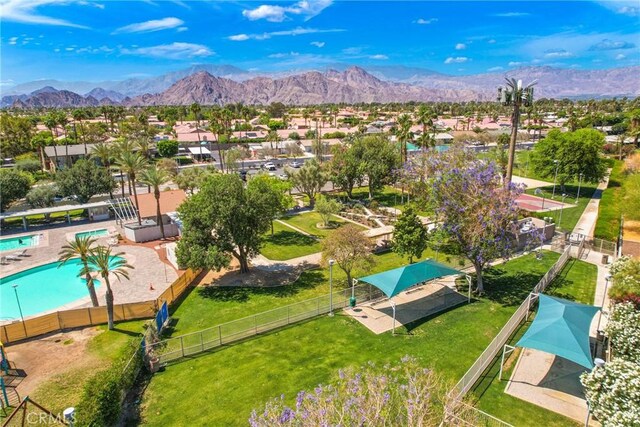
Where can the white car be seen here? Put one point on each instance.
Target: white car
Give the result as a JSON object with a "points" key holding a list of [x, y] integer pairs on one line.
{"points": [[283, 176], [270, 166], [296, 164]]}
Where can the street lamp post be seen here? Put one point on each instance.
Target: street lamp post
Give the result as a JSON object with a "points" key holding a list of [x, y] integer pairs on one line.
{"points": [[579, 184], [607, 279], [331, 262], [539, 192], [24, 326], [561, 209], [555, 177], [516, 96]]}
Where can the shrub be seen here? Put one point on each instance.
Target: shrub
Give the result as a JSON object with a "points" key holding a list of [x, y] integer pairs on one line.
{"points": [[29, 165], [626, 281], [183, 160], [167, 147], [102, 396], [405, 394], [14, 185], [623, 330], [613, 393]]}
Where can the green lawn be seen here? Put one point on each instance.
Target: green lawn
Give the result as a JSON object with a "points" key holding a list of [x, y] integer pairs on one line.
{"points": [[570, 216], [522, 167], [205, 307], [286, 243], [65, 389], [576, 282], [621, 198], [234, 380], [308, 222]]}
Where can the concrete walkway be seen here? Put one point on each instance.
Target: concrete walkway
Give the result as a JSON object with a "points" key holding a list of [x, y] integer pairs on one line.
{"points": [[587, 222]]}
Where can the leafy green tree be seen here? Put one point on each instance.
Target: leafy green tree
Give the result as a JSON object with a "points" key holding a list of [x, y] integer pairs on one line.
{"points": [[276, 109], [107, 264], [575, 152], [85, 179], [309, 179], [410, 236], [346, 168], [132, 163], [167, 147], [295, 136], [272, 193], [14, 185], [223, 220], [349, 248], [39, 141], [15, 134], [154, 177], [41, 196], [327, 208], [380, 157], [81, 248], [190, 179]]}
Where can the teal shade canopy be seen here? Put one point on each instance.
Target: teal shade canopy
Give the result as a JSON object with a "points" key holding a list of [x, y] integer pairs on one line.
{"points": [[561, 327], [392, 282]]}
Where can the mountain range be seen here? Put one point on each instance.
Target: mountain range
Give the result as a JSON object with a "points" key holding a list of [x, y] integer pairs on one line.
{"points": [[221, 84]]}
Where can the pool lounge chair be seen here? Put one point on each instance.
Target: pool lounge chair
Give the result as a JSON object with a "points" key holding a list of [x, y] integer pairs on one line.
{"points": [[3, 260], [12, 257], [23, 253]]}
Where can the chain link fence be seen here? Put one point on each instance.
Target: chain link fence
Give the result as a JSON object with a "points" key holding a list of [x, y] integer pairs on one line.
{"points": [[175, 348]]}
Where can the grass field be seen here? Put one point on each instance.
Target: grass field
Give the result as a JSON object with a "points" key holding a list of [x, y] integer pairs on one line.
{"points": [[286, 243], [570, 216], [302, 356], [308, 222], [576, 282], [621, 198]]}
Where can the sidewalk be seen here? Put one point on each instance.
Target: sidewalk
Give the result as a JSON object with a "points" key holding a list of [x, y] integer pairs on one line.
{"points": [[587, 222]]}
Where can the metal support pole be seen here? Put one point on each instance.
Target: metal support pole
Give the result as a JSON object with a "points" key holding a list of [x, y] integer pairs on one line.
{"points": [[579, 184], [504, 352], [331, 262], [469, 290], [555, 178], [393, 307]]}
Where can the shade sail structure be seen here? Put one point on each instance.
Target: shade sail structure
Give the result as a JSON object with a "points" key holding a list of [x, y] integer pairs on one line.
{"points": [[392, 282], [561, 327]]}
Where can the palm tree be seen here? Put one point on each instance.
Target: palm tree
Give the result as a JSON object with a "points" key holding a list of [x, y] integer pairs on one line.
{"points": [[132, 163], [404, 133], [51, 122], [104, 152], [103, 262], [155, 177], [78, 115], [81, 248], [195, 110]]}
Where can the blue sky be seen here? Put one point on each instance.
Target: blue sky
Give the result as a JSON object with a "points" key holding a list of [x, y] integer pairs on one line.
{"points": [[113, 40]]}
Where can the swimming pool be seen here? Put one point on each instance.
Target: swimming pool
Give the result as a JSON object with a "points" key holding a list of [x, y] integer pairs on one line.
{"points": [[42, 288], [93, 233], [21, 242]]}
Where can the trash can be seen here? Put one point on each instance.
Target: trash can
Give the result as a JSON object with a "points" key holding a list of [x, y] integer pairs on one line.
{"points": [[605, 259], [352, 302]]}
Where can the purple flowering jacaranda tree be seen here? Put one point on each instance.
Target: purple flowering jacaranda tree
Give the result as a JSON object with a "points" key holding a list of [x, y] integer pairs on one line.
{"points": [[473, 208]]}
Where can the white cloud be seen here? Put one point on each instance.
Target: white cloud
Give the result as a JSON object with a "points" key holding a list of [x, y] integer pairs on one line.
{"points": [[608, 44], [557, 53], [317, 44], [239, 37], [623, 7], [182, 29], [174, 50], [69, 49], [294, 32], [620, 56], [378, 57], [56, 50], [272, 13], [491, 41], [24, 11], [423, 21], [461, 46], [511, 14], [352, 50], [492, 69], [13, 40], [456, 60], [516, 64], [150, 26], [283, 55], [101, 49]]}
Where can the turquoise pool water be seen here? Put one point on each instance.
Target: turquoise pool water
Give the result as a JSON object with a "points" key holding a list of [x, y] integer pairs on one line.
{"points": [[93, 233], [22, 242], [42, 288]]}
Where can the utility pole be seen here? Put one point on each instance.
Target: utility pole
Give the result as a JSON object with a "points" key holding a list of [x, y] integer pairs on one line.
{"points": [[516, 96]]}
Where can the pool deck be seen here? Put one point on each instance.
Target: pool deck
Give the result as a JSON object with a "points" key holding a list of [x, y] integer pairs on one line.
{"points": [[150, 277]]}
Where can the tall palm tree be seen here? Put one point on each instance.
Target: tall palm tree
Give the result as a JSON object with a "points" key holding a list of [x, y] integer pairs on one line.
{"points": [[155, 177], [51, 122], [104, 152], [62, 121], [78, 115], [103, 262], [404, 133], [81, 248], [132, 163], [195, 110]]}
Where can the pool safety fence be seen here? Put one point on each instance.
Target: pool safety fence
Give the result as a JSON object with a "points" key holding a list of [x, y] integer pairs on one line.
{"points": [[91, 316]]}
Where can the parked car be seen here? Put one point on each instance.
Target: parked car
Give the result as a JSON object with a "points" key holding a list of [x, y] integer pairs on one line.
{"points": [[270, 166], [283, 176], [296, 164]]}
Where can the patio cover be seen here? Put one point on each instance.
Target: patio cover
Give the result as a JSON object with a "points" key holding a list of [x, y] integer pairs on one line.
{"points": [[199, 150], [561, 327], [392, 282]]}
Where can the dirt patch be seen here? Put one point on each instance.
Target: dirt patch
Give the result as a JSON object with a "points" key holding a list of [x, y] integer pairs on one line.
{"points": [[37, 361], [632, 230], [277, 274]]}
